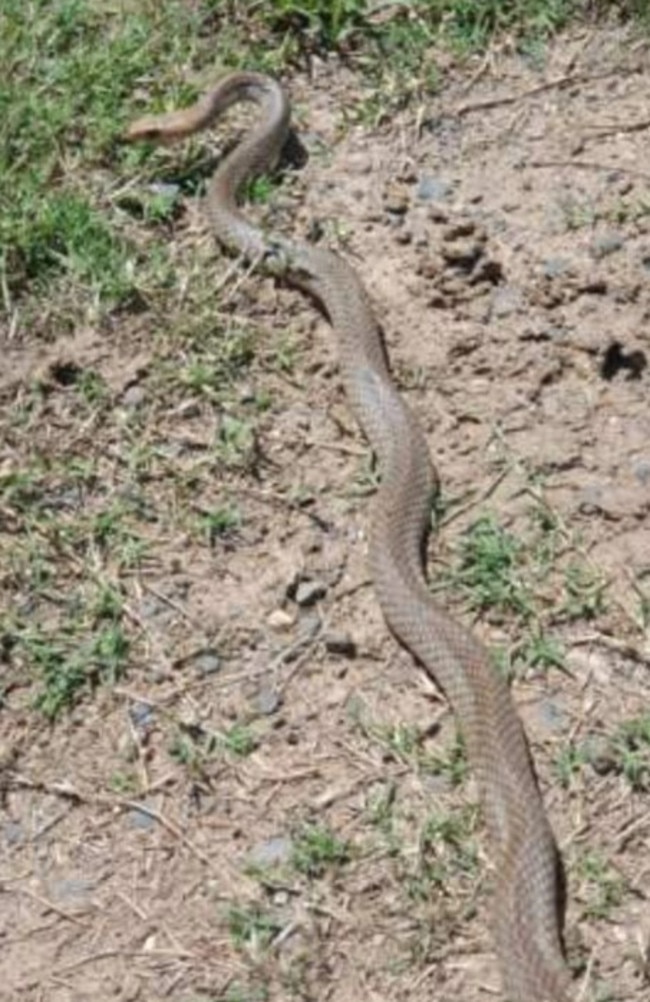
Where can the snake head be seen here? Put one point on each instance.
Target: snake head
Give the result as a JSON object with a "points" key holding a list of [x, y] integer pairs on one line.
{"points": [[153, 129], [276, 258]]}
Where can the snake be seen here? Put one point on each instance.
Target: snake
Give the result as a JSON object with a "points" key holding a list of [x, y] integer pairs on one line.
{"points": [[526, 897]]}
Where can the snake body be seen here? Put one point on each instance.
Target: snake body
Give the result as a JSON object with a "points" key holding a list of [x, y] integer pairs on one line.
{"points": [[525, 899]]}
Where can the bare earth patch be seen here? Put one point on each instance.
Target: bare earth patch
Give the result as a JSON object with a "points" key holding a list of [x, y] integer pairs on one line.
{"points": [[271, 803]]}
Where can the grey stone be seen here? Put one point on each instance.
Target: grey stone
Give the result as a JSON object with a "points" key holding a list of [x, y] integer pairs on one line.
{"points": [[71, 887], [551, 715], [140, 819], [133, 396], [554, 267], [606, 244], [14, 833], [432, 189], [505, 301], [642, 471], [142, 715], [267, 700]]}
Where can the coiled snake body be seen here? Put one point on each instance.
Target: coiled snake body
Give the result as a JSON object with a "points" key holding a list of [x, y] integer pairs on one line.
{"points": [[526, 926]]}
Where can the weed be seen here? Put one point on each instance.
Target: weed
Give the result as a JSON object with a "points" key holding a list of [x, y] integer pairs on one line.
{"points": [[541, 651], [194, 746], [577, 215], [470, 25], [252, 927], [445, 848], [223, 521], [488, 572], [603, 886], [260, 189], [316, 849], [236, 445], [237, 992], [380, 808], [284, 355], [453, 765], [239, 741], [319, 24], [68, 667], [123, 783], [569, 763], [631, 745], [643, 599], [403, 740]]}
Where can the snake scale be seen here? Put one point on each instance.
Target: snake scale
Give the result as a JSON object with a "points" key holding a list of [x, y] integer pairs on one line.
{"points": [[522, 848]]}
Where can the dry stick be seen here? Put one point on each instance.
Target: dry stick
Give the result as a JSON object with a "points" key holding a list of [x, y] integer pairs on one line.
{"points": [[497, 102], [611, 643], [589, 165], [173, 604], [51, 907], [601, 131], [135, 805], [478, 499], [558, 82], [280, 501], [121, 803]]}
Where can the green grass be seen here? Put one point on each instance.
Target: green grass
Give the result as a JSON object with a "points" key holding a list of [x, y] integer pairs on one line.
{"points": [[238, 992], [194, 747], [77, 71], [89, 647], [96, 237], [88, 231], [446, 848], [489, 570], [534, 579]]}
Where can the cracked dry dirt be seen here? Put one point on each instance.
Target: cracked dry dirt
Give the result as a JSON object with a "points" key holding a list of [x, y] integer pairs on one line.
{"points": [[504, 237]]}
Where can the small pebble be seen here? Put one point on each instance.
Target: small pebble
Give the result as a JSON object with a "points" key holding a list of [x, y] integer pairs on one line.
{"points": [[13, 833], [551, 715], [462, 253], [207, 662], [280, 619], [142, 715], [554, 267], [133, 397], [396, 200], [73, 887], [606, 244], [267, 700], [140, 819], [273, 852], [310, 592], [505, 301]]}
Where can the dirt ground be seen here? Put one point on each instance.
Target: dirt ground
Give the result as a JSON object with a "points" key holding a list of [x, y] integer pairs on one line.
{"points": [[503, 233]]}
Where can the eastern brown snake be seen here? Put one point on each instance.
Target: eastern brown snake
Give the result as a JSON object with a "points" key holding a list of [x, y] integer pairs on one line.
{"points": [[526, 922]]}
